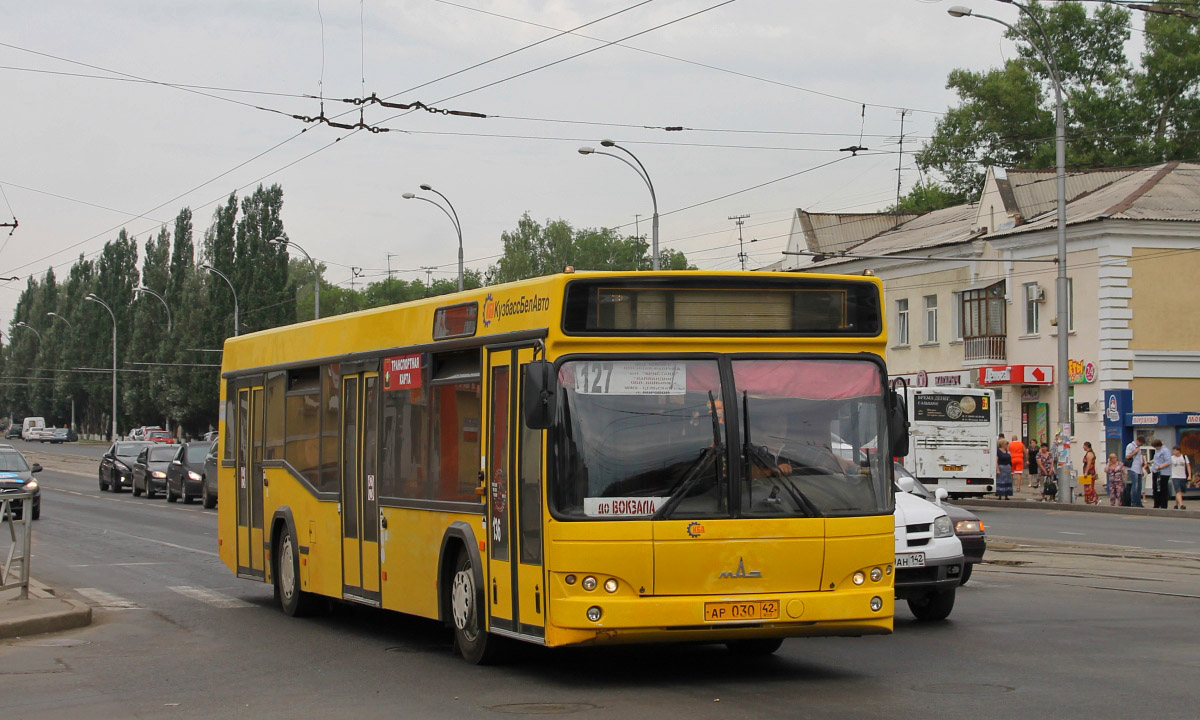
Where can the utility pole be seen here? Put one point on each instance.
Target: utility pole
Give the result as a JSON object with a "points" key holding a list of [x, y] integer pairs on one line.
{"points": [[428, 274], [389, 263], [354, 273], [900, 160], [740, 220]]}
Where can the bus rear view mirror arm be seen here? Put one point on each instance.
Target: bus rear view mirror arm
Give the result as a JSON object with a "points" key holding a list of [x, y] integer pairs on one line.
{"points": [[538, 395], [898, 424]]}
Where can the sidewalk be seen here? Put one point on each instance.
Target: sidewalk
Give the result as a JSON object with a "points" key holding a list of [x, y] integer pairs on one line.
{"points": [[1031, 498], [42, 612]]}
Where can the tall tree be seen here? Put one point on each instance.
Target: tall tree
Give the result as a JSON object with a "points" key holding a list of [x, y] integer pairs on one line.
{"points": [[260, 273]]}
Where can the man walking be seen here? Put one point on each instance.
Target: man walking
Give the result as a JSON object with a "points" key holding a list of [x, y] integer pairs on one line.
{"points": [[1161, 467], [1136, 466]]}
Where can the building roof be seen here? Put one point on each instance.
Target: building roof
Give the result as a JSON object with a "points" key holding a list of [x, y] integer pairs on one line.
{"points": [[1035, 191], [949, 226], [1166, 192], [833, 232]]}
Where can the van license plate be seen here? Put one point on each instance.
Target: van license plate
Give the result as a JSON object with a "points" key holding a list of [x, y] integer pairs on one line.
{"points": [[753, 610], [910, 560], [952, 468]]}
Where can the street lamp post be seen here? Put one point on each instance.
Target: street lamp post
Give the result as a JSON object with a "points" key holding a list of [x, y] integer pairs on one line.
{"points": [[640, 169], [68, 322], [452, 214], [316, 274], [143, 289], [1060, 162], [60, 317], [221, 275], [22, 324], [92, 297]]}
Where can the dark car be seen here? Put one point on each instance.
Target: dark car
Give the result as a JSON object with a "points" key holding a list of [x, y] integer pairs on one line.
{"points": [[150, 470], [14, 430], [208, 493], [16, 476], [185, 476], [116, 465], [967, 525]]}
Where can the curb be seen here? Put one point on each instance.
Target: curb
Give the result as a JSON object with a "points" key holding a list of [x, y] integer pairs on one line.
{"points": [[43, 612], [1105, 509]]}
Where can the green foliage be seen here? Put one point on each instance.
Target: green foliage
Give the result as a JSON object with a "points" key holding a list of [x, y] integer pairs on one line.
{"points": [[533, 250], [1117, 114], [926, 196]]}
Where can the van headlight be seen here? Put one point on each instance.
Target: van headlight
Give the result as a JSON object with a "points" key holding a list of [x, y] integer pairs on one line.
{"points": [[942, 527]]}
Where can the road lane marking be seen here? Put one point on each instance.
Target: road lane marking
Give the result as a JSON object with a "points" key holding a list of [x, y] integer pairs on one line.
{"points": [[212, 597], [107, 600], [1064, 532], [1186, 542], [136, 537]]}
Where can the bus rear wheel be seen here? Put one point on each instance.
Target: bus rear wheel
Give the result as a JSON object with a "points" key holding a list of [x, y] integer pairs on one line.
{"points": [[754, 647], [292, 600], [470, 639]]}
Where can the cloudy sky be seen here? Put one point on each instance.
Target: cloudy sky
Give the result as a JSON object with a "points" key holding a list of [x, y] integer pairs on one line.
{"points": [[766, 89]]}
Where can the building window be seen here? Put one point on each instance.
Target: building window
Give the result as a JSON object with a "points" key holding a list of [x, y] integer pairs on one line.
{"points": [[902, 322], [956, 323], [1033, 297], [931, 318]]}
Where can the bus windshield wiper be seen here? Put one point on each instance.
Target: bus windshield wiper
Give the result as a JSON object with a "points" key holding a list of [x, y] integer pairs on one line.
{"points": [[710, 455], [757, 455]]}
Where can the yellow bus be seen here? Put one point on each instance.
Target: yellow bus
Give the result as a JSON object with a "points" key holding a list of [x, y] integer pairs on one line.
{"points": [[583, 458]]}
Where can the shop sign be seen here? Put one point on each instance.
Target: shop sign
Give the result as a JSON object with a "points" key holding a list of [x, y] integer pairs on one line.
{"points": [[1143, 420], [1193, 420], [1017, 375], [1079, 372], [1029, 394], [949, 380], [1112, 413], [922, 378]]}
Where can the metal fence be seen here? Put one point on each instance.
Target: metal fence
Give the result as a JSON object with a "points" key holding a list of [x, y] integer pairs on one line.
{"points": [[14, 571]]}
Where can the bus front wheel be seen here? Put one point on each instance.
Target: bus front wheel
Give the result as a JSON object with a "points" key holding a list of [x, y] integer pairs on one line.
{"points": [[472, 641], [294, 601]]}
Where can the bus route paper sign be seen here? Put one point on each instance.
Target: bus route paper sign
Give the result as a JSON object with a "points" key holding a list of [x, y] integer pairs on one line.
{"points": [[402, 372], [622, 506], [631, 378]]}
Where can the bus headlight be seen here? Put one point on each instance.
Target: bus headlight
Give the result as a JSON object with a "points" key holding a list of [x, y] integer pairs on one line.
{"points": [[942, 527], [589, 583], [610, 585], [876, 574], [876, 604], [594, 613], [859, 577]]}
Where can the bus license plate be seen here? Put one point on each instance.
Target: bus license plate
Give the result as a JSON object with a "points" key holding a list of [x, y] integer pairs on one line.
{"points": [[753, 610], [952, 468], [910, 560]]}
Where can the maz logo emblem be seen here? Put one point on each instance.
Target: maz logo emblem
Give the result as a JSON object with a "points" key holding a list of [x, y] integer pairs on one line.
{"points": [[741, 573]]}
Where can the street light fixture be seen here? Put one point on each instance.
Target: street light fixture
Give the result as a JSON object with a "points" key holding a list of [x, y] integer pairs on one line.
{"points": [[60, 317], [22, 324], [1060, 163], [640, 169], [316, 273], [452, 214], [221, 275], [92, 298], [143, 289]]}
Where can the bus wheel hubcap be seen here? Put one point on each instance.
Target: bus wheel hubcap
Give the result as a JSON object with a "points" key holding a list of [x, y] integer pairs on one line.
{"points": [[460, 598], [287, 575]]}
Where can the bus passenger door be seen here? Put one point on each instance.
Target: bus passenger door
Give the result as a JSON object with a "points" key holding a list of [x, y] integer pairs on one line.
{"points": [[515, 581], [248, 466], [360, 505]]}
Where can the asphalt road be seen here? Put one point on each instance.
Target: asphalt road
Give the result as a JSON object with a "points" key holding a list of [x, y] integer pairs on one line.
{"points": [[1039, 632], [1166, 533]]}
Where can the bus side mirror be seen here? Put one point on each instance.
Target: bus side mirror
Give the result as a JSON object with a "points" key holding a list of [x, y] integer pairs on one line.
{"points": [[898, 424], [538, 394]]}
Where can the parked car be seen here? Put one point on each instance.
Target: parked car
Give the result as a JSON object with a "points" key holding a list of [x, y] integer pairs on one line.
{"points": [[14, 429], [16, 476], [150, 470], [208, 492], [967, 525], [139, 433], [38, 434], [161, 437], [929, 557], [186, 473], [31, 423], [116, 465], [59, 436]]}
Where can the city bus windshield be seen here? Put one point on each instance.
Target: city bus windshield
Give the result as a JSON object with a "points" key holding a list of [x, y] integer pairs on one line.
{"points": [[648, 439]]}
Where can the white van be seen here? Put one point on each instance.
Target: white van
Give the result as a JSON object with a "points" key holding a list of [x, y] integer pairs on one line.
{"points": [[929, 556], [31, 423]]}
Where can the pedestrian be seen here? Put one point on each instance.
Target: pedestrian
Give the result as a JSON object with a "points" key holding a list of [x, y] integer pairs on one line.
{"points": [[1160, 473], [1004, 471], [1088, 478], [1181, 470], [1135, 465], [1045, 468], [1115, 471], [1016, 449]]}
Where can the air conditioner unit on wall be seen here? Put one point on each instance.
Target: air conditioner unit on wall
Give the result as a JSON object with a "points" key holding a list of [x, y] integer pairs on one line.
{"points": [[1039, 293]]}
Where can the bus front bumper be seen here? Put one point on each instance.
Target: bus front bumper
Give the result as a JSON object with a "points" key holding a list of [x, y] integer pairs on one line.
{"points": [[639, 619]]}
